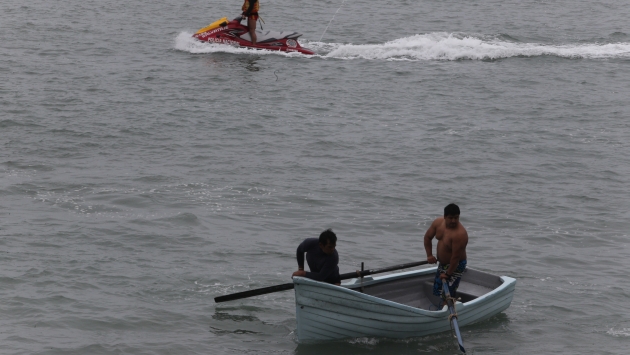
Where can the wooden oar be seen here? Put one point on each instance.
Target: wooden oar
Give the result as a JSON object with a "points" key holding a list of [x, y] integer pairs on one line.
{"points": [[453, 317], [288, 286]]}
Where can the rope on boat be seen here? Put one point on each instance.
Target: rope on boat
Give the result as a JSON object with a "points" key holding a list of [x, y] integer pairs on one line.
{"points": [[454, 315], [331, 20], [451, 316]]}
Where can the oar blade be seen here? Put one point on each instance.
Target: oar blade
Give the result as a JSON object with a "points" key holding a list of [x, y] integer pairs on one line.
{"points": [[460, 342], [252, 293], [453, 317]]}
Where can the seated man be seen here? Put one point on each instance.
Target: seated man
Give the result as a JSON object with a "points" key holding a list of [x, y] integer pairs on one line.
{"points": [[322, 258], [451, 249]]}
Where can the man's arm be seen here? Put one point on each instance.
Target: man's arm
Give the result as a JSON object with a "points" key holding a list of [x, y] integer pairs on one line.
{"points": [[458, 250], [299, 254], [428, 242]]}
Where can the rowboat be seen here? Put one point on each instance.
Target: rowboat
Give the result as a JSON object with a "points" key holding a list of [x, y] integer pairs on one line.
{"points": [[399, 305]]}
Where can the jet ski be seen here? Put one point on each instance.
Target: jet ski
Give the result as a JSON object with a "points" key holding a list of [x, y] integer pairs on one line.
{"points": [[233, 33]]}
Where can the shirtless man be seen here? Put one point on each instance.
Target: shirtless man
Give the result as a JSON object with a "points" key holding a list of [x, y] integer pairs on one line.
{"points": [[451, 249]]}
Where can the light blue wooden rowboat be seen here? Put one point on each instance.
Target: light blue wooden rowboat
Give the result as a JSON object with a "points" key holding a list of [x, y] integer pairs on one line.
{"points": [[398, 305]]}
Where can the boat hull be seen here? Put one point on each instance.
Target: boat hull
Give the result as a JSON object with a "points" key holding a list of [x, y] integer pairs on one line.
{"points": [[326, 312]]}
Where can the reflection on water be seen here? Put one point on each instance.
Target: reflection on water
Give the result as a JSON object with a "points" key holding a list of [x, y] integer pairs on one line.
{"points": [[214, 61], [236, 318], [250, 63], [229, 322], [358, 346], [223, 61], [474, 336], [218, 331]]}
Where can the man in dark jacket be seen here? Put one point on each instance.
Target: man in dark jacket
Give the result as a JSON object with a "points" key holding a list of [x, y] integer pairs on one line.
{"points": [[322, 258]]}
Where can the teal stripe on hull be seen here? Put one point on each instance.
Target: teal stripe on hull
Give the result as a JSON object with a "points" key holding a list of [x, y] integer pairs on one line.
{"points": [[342, 327]]}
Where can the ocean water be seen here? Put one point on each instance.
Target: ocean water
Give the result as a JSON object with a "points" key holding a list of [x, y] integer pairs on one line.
{"points": [[143, 173]]}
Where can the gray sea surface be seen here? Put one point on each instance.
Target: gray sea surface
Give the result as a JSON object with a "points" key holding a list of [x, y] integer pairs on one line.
{"points": [[143, 173]]}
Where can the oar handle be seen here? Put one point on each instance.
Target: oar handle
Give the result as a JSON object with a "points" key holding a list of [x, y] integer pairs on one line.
{"points": [[289, 286], [447, 292]]}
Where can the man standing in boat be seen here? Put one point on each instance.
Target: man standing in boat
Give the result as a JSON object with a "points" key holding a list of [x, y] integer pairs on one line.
{"points": [[322, 258], [451, 249], [250, 11]]}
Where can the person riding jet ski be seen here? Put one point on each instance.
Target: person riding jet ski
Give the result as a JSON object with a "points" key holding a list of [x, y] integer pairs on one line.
{"points": [[250, 10]]}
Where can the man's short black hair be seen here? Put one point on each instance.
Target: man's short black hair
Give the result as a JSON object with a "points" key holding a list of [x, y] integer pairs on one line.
{"points": [[451, 210], [327, 236]]}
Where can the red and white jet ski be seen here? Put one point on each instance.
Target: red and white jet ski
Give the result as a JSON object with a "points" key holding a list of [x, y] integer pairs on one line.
{"points": [[233, 33]]}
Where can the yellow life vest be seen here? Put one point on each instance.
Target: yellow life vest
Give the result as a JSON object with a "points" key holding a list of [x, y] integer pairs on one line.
{"points": [[246, 6]]}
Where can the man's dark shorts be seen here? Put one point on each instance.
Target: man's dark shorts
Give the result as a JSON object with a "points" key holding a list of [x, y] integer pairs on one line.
{"points": [[254, 16], [453, 283]]}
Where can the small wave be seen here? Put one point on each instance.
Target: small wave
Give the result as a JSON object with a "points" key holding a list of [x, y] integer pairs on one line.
{"points": [[617, 333], [185, 218], [8, 123]]}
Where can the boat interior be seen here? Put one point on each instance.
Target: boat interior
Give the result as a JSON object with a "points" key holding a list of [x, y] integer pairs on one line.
{"points": [[417, 290]]}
